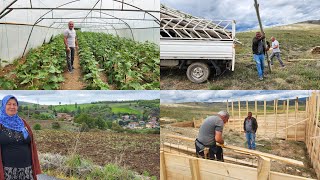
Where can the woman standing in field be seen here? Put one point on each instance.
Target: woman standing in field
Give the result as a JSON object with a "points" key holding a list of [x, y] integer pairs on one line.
{"points": [[18, 153]]}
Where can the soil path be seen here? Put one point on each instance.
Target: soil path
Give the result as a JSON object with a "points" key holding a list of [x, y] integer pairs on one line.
{"points": [[73, 81]]}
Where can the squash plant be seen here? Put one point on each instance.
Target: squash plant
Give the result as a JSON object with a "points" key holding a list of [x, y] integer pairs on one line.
{"points": [[41, 70], [128, 64]]}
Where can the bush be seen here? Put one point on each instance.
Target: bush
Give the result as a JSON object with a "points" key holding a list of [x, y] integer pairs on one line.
{"points": [[84, 127], [37, 127], [55, 125]]}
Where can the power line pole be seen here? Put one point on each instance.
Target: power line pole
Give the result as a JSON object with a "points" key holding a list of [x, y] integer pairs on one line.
{"points": [[256, 5]]}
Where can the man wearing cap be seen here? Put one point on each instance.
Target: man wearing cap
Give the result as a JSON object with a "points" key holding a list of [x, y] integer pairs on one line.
{"points": [[275, 51], [210, 132], [71, 42], [250, 127], [259, 50]]}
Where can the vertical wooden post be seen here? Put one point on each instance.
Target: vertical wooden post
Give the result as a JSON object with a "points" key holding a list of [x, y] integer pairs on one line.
{"points": [[194, 167], [227, 106], [287, 119], [284, 106], [239, 115], [232, 112], [316, 125], [296, 118], [265, 116], [263, 168], [276, 116], [256, 108], [247, 105], [163, 171]]}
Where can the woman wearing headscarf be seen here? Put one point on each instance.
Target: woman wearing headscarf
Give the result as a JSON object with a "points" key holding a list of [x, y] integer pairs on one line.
{"points": [[18, 153]]}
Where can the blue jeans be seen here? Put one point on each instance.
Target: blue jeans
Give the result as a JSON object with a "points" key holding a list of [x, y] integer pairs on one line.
{"points": [[251, 139], [259, 58]]}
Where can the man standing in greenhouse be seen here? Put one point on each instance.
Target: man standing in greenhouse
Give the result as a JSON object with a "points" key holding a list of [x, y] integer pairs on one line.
{"points": [[71, 42]]}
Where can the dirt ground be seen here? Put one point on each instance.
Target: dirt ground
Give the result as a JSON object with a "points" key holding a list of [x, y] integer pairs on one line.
{"points": [[288, 149], [73, 81], [136, 152]]}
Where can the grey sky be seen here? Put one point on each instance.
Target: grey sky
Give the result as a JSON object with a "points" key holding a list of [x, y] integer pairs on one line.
{"points": [[83, 96], [224, 95], [277, 12]]}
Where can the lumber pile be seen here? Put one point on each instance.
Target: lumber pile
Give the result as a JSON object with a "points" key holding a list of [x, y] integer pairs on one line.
{"points": [[177, 24]]}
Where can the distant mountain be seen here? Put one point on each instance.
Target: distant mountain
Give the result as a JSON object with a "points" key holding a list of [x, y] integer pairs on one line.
{"points": [[311, 22], [22, 103]]}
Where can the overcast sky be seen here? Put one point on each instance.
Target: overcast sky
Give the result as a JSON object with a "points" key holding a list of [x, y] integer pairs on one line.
{"points": [[83, 96], [180, 96], [276, 12]]}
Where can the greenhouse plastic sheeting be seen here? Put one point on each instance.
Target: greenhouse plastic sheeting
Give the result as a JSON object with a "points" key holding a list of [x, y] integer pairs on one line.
{"points": [[39, 20]]}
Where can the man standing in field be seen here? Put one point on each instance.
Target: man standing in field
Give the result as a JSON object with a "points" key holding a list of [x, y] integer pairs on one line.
{"points": [[210, 132], [259, 50], [71, 42], [250, 127], [275, 51]]}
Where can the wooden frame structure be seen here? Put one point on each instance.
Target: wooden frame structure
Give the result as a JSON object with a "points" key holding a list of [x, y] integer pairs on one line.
{"points": [[292, 121], [175, 166]]}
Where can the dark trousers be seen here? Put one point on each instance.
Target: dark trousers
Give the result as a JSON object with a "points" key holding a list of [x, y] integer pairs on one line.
{"points": [[277, 55], [70, 58], [215, 152]]}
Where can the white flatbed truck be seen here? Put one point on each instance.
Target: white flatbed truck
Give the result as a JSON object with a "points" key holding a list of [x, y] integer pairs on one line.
{"points": [[200, 45]]}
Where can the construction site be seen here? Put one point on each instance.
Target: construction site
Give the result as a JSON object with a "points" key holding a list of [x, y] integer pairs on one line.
{"points": [[287, 139]]}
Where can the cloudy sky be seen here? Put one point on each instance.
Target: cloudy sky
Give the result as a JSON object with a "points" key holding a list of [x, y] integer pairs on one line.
{"points": [[224, 95], [276, 12], [83, 96]]}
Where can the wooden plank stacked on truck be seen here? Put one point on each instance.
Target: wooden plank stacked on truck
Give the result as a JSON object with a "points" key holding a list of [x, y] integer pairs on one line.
{"points": [[177, 24]]}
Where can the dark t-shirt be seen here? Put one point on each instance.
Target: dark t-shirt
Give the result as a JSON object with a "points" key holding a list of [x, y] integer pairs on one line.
{"points": [[15, 150]]}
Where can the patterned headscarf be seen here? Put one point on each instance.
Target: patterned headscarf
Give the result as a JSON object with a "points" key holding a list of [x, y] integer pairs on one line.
{"points": [[12, 122]]}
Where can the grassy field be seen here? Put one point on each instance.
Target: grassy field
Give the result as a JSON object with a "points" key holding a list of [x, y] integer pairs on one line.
{"points": [[296, 42], [187, 111], [116, 107]]}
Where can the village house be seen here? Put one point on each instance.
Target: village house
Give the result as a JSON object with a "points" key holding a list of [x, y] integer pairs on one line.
{"points": [[65, 116], [133, 125]]}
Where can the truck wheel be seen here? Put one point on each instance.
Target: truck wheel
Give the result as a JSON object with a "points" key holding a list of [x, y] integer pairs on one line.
{"points": [[198, 72]]}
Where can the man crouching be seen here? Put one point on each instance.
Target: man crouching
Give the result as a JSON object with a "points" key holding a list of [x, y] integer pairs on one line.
{"points": [[210, 132]]}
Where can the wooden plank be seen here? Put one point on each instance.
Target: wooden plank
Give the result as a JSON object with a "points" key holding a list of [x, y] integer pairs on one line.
{"points": [[216, 170], [256, 108], [232, 113], [276, 112], [192, 151], [163, 172], [296, 117], [247, 105], [244, 150], [194, 167], [288, 105], [227, 105], [210, 169], [282, 176], [265, 115], [263, 168], [239, 115]]}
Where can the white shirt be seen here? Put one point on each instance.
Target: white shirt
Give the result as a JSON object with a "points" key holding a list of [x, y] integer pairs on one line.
{"points": [[71, 37], [274, 44]]}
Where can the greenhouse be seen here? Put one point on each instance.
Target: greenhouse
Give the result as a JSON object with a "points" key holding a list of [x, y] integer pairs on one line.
{"points": [[118, 44]]}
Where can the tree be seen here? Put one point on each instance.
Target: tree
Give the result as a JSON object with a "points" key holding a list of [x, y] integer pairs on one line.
{"points": [[75, 105], [100, 123]]}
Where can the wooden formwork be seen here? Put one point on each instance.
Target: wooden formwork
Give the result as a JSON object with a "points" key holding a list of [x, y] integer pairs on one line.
{"points": [[313, 131], [288, 122], [182, 167]]}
